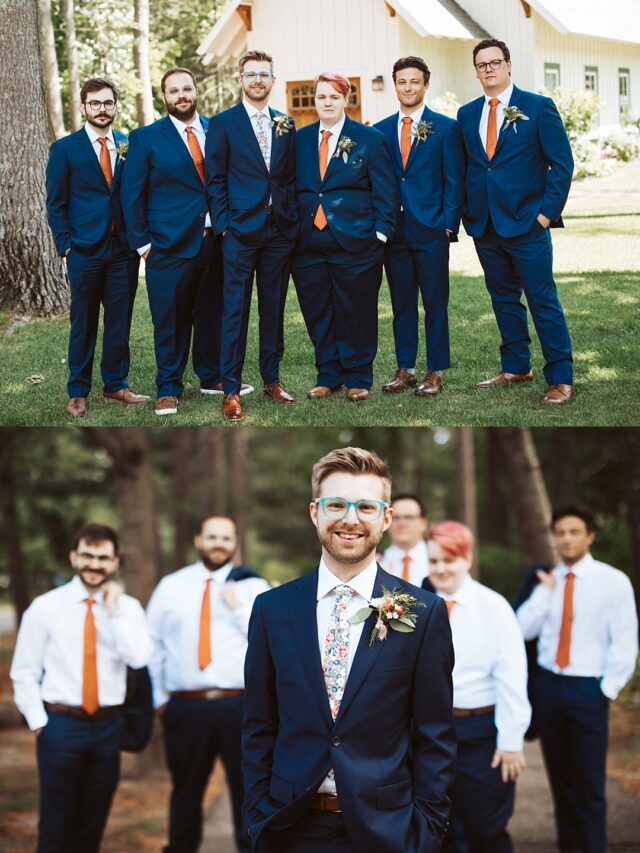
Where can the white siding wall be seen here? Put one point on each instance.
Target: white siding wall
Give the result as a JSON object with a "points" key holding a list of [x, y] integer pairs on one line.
{"points": [[506, 20]]}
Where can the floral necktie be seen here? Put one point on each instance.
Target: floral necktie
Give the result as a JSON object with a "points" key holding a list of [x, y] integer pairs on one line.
{"points": [[263, 139], [336, 649]]}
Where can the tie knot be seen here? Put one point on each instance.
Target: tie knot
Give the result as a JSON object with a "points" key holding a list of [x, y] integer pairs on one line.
{"points": [[102, 141], [90, 602], [343, 592], [326, 134], [407, 120], [493, 102], [189, 130]]}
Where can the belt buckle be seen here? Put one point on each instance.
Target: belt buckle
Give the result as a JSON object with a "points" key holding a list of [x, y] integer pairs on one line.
{"points": [[213, 693]]}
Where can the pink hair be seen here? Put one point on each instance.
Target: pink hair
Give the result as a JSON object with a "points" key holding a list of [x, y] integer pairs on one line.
{"points": [[455, 539], [339, 82]]}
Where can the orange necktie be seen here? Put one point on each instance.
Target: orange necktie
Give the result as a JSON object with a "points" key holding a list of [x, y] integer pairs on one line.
{"points": [[450, 602], [196, 152], [320, 220], [405, 140], [89, 663], [564, 643], [406, 560], [204, 641], [492, 127], [105, 161]]}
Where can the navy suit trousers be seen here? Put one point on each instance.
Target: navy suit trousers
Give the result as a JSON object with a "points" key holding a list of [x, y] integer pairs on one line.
{"points": [[110, 280], [513, 265], [338, 295], [414, 268], [79, 766], [196, 731], [315, 832], [573, 717]]}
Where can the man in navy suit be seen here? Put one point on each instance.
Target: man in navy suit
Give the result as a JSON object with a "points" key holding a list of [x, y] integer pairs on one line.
{"points": [[519, 170], [167, 217], [348, 739], [251, 169], [83, 209], [347, 204], [428, 160]]}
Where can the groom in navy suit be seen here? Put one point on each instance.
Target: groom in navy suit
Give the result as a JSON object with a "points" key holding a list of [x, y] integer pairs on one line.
{"points": [[519, 171], [348, 738], [85, 217], [428, 161]]}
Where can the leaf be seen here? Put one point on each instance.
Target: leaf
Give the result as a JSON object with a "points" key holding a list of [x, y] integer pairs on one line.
{"points": [[345, 156], [399, 625], [361, 615], [407, 620]]}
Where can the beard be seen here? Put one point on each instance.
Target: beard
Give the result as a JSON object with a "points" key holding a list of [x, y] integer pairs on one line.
{"points": [[215, 560], [183, 110], [354, 551], [88, 584], [104, 121]]}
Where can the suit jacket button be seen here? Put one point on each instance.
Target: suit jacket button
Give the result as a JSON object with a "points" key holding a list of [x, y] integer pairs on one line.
{"points": [[320, 195], [336, 741], [202, 216], [489, 169], [403, 179]]}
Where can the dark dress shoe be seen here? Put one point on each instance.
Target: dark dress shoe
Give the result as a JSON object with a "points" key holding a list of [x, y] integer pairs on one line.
{"points": [[277, 392], [321, 391], [506, 379], [431, 385], [356, 395], [232, 407], [125, 396], [402, 380], [77, 407], [559, 394]]}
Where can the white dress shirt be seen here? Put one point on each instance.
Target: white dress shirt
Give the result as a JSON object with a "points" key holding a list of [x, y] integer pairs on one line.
{"points": [[491, 663], [173, 614], [392, 562], [362, 585], [47, 663], [604, 631], [415, 116], [504, 98], [111, 144]]}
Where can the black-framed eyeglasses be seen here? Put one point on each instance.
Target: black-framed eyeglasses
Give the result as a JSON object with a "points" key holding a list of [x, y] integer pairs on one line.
{"points": [[252, 76], [338, 508], [493, 65], [96, 105]]}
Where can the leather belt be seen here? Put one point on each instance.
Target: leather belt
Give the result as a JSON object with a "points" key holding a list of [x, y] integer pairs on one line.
{"points": [[326, 803], [207, 232], [212, 693], [473, 712], [79, 713]]}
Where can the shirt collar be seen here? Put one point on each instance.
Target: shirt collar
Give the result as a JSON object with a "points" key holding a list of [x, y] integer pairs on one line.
{"points": [[336, 130], [503, 97], [579, 569], [78, 591], [415, 116], [362, 584], [93, 136], [252, 111], [464, 594], [219, 576], [181, 127]]}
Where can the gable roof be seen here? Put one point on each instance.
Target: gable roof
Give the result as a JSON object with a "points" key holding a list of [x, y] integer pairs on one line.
{"points": [[619, 21], [438, 18], [227, 37]]}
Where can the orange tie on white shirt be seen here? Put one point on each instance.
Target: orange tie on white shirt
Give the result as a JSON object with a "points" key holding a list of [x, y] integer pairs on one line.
{"points": [[450, 602], [320, 220], [564, 643], [406, 560], [204, 639], [405, 140], [492, 127], [90, 701], [196, 152]]}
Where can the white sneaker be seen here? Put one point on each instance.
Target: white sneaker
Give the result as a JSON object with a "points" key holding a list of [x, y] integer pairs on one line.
{"points": [[244, 389]]}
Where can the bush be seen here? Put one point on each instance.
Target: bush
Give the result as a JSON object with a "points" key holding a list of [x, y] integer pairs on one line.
{"points": [[448, 104], [578, 110], [620, 145], [587, 157]]}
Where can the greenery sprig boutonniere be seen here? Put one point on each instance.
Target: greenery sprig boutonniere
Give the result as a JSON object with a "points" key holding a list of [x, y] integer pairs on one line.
{"points": [[422, 131], [282, 124], [344, 146], [123, 150], [395, 610], [511, 116]]}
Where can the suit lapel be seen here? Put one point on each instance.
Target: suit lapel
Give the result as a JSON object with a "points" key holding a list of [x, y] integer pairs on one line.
{"points": [[514, 100], [243, 123], [277, 145], [174, 137], [331, 165], [392, 136], [313, 145], [476, 140], [89, 154], [413, 153]]}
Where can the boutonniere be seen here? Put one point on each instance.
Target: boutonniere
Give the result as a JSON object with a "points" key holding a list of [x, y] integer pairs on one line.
{"points": [[282, 124], [511, 116], [422, 131], [395, 610], [344, 146], [123, 150]]}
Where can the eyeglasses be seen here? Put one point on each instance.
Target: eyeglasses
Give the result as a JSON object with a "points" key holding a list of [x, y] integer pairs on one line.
{"points": [[96, 105], [338, 508], [493, 65], [397, 517], [252, 76]]}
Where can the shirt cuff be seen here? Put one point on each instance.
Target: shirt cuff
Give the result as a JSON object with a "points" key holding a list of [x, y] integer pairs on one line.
{"points": [[143, 249], [36, 717], [510, 740], [382, 237], [608, 689]]}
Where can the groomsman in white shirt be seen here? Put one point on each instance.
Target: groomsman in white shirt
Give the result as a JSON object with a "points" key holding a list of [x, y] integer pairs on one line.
{"points": [[199, 619], [69, 678], [407, 557], [584, 617]]}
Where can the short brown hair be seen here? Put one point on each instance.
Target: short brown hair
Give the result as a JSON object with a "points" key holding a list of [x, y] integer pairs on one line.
{"points": [[485, 43], [95, 533], [350, 460], [254, 56], [94, 85], [412, 62], [177, 70]]}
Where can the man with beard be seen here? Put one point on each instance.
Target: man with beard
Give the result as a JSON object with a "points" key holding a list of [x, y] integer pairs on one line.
{"points": [[198, 618], [251, 168], [166, 212], [69, 676], [407, 557], [83, 208], [348, 739]]}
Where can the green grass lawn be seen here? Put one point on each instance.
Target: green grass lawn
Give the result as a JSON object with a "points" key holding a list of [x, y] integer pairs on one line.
{"points": [[597, 264]]}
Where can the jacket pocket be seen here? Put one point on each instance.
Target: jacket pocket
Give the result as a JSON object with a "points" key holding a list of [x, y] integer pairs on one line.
{"points": [[280, 790], [394, 796]]}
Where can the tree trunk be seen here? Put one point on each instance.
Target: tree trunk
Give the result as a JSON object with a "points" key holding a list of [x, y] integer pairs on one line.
{"points": [[181, 441], [633, 439], [51, 72], [238, 442], [144, 98], [75, 117], [32, 278], [528, 494], [213, 464], [466, 485], [11, 527]]}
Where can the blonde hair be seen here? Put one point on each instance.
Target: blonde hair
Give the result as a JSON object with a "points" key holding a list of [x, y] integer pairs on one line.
{"points": [[350, 460]]}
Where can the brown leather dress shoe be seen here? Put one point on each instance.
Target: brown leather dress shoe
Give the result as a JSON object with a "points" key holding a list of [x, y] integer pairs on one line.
{"points": [[126, 396], [320, 391], [559, 394], [232, 407], [277, 392], [77, 407], [506, 379], [402, 380], [431, 385], [356, 395], [166, 406]]}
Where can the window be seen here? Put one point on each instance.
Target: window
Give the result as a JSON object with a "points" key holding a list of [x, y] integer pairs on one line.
{"points": [[623, 92], [591, 79], [551, 76]]}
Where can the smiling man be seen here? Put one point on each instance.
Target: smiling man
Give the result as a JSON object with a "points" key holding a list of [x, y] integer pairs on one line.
{"points": [[347, 739]]}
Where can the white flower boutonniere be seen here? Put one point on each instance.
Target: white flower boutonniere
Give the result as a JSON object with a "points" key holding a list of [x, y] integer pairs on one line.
{"points": [[282, 124], [422, 131], [344, 146], [123, 150], [395, 610], [511, 116]]}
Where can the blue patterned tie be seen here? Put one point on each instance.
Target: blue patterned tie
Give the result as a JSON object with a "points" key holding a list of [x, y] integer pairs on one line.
{"points": [[263, 139], [336, 649]]}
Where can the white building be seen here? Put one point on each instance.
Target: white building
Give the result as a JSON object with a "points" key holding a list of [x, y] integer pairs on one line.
{"points": [[577, 44]]}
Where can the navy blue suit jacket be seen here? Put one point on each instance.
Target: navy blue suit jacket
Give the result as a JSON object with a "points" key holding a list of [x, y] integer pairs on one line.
{"points": [[529, 173], [431, 188], [392, 745], [80, 206], [358, 197], [238, 182], [163, 198]]}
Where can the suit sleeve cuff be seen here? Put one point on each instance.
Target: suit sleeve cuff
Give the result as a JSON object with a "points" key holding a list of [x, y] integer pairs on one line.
{"points": [[382, 237]]}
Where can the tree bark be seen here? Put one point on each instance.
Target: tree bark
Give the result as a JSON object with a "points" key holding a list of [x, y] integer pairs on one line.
{"points": [[51, 72], [238, 443], [75, 117], [182, 443], [144, 98], [213, 464], [32, 279], [11, 527], [466, 486]]}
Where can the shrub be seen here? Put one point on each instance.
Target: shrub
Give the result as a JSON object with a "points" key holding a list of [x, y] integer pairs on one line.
{"points": [[577, 109], [448, 104], [620, 145]]}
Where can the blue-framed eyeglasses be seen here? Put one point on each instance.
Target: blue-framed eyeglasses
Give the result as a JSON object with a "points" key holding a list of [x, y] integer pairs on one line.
{"points": [[252, 76], [338, 508]]}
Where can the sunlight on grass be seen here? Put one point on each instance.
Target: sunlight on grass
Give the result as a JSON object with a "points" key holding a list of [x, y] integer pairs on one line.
{"points": [[602, 374], [586, 355]]}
